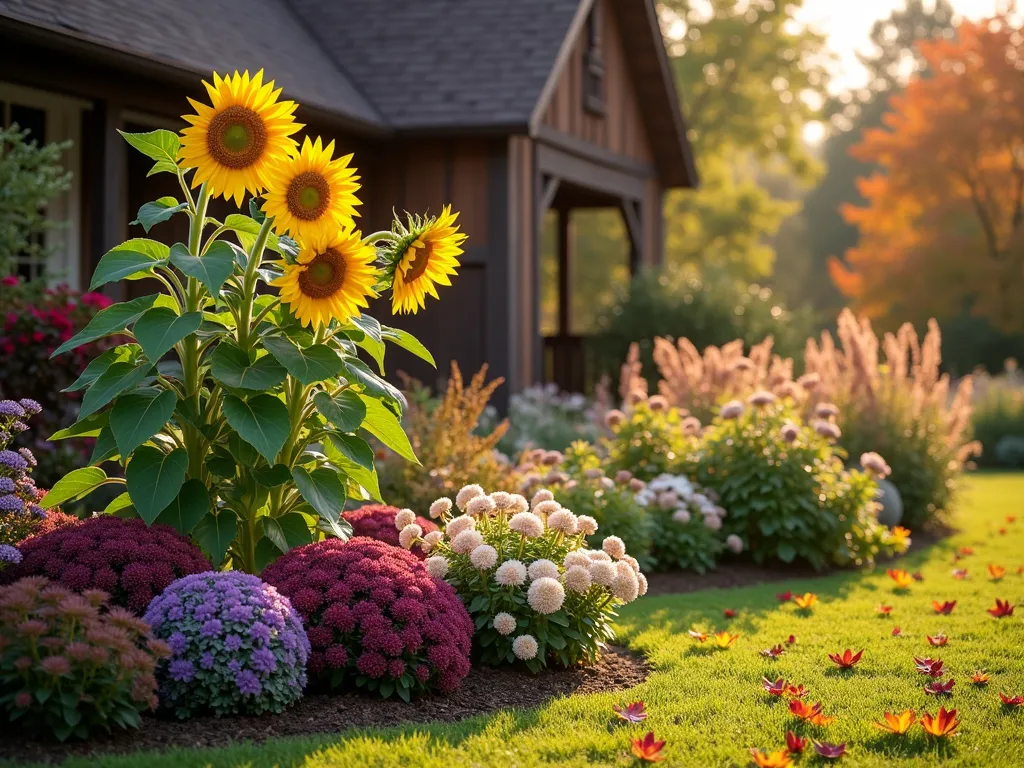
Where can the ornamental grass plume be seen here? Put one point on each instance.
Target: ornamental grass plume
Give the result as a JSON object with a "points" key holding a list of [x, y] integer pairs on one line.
{"points": [[379, 521], [101, 658], [527, 582], [377, 617]]}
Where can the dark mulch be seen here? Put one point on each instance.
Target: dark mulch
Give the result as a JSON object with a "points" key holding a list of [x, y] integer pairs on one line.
{"points": [[744, 574], [482, 692]]}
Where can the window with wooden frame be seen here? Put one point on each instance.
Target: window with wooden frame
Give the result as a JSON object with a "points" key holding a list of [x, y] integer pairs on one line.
{"points": [[593, 64]]}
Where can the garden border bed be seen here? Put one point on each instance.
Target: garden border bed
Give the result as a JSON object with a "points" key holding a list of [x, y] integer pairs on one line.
{"points": [[483, 692]]}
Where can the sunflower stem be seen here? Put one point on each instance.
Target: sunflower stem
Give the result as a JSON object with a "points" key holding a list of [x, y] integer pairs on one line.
{"points": [[191, 436], [384, 234], [249, 284]]}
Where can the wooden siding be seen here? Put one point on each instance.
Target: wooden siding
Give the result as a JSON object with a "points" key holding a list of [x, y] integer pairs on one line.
{"points": [[523, 243], [620, 129]]}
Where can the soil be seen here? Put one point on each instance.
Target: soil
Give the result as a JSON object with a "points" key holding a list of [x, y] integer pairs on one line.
{"points": [[483, 691]]}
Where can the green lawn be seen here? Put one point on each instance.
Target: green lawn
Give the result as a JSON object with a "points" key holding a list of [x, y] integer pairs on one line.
{"points": [[709, 705]]}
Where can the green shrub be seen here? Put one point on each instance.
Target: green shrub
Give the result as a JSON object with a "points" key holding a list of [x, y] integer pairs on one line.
{"points": [[687, 524], [998, 420], [650, 439], [544, 417]]}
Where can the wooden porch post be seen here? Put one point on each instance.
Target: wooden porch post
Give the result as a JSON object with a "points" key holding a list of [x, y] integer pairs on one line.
{"points": [[563, 271], [112, 205]]}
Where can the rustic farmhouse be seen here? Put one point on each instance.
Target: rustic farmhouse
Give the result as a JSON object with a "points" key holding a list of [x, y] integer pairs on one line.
{"points": [[507, 109]]}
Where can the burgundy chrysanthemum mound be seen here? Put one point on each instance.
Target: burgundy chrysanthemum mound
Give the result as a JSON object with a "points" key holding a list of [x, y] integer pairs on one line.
{"points": [[375, 617], [377, 521], [127, 559]]}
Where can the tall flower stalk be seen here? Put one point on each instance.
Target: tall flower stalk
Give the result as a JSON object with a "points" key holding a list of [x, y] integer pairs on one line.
{"points": [[242, 416]]}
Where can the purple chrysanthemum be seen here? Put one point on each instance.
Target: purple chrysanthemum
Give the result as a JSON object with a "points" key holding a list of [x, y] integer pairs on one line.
{"points": [[263, 660], [233, 642], [11, 409], [206, 661], [248, 684], [211, 628], [181, 670]]}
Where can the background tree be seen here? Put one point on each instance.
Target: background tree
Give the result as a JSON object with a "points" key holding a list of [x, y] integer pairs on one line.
{"points": [[942, 226]]}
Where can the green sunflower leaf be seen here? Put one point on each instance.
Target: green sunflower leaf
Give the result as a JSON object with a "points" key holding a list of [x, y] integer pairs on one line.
{"points": [[74, 485], [127, 260], [112, 319], [345, 410], [262, 421], [309, 365], [385, 426], [160, 329], [154, 479], [118, 378], [231, 366], [151, 214], [212, 269], [139, 415]]}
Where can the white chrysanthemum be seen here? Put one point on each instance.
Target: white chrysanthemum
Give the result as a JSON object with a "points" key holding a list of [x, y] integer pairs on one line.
{"points": [[517, 503], [545, 595], [642, 582], [563, 520], [613, 418], [587, 525], [681, 515], [480, 506], [546, 507], [409, 534], [430, 540], [404, 517], [576, 557], [626, 586], [467, 541], [467, 494], [713, 522], [734, 542], [731, 410], [701, 500], [597, 554], [483, 557], [440, 507], [504, 623], [525, 647], [502, 500], [437, 566], [528, 524], [632, 562], [511, 573], [602, 572], [541, 496], [577, 578], [542, 568], [614, 546], [458, 525], [668, 499]]}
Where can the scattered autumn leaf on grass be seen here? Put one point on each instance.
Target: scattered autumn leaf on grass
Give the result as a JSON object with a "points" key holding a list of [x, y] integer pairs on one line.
{"points": [[940, 689], [791, 640], [966, 551], [930, 667], [729, 613], [775, 689], [1011, 519], [846, 659], [805, 601], [784, 597], [883, 610], [901, 577], [937, 640], [700, 637], [943, 724], [772, 653], [980, 677], [794, 743], [1002, 531], [945, 608], [831, 751], [960, 573], [795, 691], [779, 759], [724, 639], [648, 748], [917, 576], [631, 713], [996, 571], [897, 724], [809, 713], [1002, 608], [1011, 701], [897, 632]]}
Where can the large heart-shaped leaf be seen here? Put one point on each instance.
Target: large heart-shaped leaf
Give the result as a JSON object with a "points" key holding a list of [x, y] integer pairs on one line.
{"points": [[262, 421], [74, 485], [90, 426], [345, 410], [113, 319], [118, 378], [408, 342], [98, 365], [385, 426], [270, 477], [139, 415], [288, 531], [214, 533], [212, 269], [151, 214], [160, 145], [154, 479], [160, 329], [322, 489], [105, 448], [309, 365], [231, 366], [189, 507], [127, 260], [359, 372], [353, 448], [119, 504]]}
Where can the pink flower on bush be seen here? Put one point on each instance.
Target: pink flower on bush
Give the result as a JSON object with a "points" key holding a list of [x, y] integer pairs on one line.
{"points": [[377, 521], [371, 609]]}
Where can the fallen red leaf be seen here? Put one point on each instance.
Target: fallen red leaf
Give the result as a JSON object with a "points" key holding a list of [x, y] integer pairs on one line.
{"points": [[930, 667], [775, 689], [784, 597], [980, 677], [940, 689], [943, 724], [1002, 608], [729, 613], [796, 691], [648, 748], [830, 751], [631, 713], [846, 659], [937, 640], [1002, 531], [960, 573], [803, 710], [772, 653], [1011, 518], [945, 608], [1011, 701], [794, 743], [791, 639], [884, 610], [897, 632]]}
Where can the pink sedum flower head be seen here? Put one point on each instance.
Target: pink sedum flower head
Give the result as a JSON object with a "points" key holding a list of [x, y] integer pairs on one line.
{"points": [[458, 525], [657, 403], [504, 623], [603, 572], [576, 557], [404, 517], [691, 426], [502, 500], [681, 515], [548, 507], [642, 581], [732, 410], [587, 525], [564, 521], [614, 547], [467, 541], [527, 524], [614, 418], [525, 647], [626, 586], [440, 507], [542, 568], [511, 573], [713, 522], [577, 579], [484, 557], [541, 496], [545, 595], [762, 398], [827, 429], [481, 506], [467, 494], [826, 410], [875, 464], [517, 503]]}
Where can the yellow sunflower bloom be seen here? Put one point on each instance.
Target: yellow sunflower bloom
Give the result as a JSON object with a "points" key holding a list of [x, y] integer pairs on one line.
{"points": [[310, 195], [232, 143], [429, 259], [333, 278]]}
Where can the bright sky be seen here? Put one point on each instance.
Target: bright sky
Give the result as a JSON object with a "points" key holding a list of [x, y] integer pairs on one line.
{"points": [[847, 24]]}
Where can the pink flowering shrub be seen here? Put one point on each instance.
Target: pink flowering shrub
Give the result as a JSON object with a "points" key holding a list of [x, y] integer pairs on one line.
{"points": [[375, 617], [377, 521], [130, 560], [69, 664], [34, 321]]}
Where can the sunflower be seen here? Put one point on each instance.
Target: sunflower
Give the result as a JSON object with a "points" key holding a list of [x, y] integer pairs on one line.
{"points": [[424, 256], [232, 143], [332, 279], [309, 194]]}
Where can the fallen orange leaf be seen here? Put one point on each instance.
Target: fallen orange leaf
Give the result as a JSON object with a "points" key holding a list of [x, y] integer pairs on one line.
{"points": [[884, 610], [805, 601], [937, 640], [846, 659], [945, 608], [724, 639], [965, 551], [943, 724], [796, 691], [779, 759], [996, 571], [648, 749], [897, 724], [981, 677], [700, 637], [901, 577], [960, 573]]}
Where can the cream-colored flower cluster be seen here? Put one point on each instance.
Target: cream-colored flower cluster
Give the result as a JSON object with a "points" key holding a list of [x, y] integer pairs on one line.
{"points": [[536, 549], [677, 492]]}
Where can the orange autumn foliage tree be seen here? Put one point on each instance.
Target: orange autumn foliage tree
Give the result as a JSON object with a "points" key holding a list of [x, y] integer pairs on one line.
{"points": [[943, 227]]}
